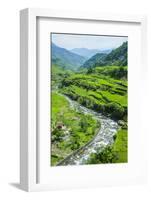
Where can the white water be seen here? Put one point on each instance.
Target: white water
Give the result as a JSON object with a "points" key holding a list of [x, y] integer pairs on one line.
{"points": [[103, 138]]}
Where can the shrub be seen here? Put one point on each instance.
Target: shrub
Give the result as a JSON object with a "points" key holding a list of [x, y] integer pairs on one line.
{"points": [[115, 110], [106, 156]]}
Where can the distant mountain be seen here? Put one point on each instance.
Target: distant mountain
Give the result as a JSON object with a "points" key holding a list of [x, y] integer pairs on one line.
{"points": [[117, 57], [66, 59], [89, 52]]}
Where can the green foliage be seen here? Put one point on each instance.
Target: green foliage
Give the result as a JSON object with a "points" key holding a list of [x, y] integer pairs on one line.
{"points": [[105, 156], [100, 86], [116, 110], [96, 91], [65, 59], [57, 76], [117, 57], [95, 60], [116, 153], [120, 146], [77, 129], [112, 71]]}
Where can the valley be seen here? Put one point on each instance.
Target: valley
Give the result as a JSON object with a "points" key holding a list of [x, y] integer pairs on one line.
{"points": [[89, 109]]}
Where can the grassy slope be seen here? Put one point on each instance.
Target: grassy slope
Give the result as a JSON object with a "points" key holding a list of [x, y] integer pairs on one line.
{"points": [[96, 89], [79, 129], [120, 146], [99, 92], [57, 75], [103, 87]]}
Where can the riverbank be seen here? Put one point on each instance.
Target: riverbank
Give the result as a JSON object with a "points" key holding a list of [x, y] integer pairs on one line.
{"points": [[103, 138], [71, 129]]}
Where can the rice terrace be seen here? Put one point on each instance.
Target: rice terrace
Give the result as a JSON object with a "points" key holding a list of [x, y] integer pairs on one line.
{"points": [[89, 99]]}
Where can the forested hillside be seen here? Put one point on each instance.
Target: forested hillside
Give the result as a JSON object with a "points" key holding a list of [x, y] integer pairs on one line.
{"points": [[65, 59], [117, 57]]}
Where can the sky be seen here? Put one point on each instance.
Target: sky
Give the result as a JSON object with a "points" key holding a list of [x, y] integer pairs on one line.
{"points": [[71, 41]]}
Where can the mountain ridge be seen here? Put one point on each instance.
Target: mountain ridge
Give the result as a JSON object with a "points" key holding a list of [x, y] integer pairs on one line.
{"points": [[116, 57], [66, 59], [88, 53]]}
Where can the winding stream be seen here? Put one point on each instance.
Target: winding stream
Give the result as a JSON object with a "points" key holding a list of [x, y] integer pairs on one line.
{"points": [[103, 138]]}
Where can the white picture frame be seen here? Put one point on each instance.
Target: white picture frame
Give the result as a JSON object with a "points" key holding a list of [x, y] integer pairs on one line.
{"points": [[28, 93]]}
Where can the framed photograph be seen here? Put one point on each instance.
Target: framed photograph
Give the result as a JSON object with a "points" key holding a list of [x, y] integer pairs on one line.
{"points": [[82, 89]]}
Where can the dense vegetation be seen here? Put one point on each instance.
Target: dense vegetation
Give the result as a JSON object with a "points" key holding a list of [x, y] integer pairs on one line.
{"points": [[70, 129], [116, 57], [116, 153], [98, 90], [101, 85], [65, 58]]}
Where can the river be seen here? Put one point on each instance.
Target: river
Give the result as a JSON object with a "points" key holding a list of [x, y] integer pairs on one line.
{"points": [[103, 138]]}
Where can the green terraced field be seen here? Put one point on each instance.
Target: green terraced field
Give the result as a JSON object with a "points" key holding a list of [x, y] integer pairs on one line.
{"points": [[98, 83], [98, 91]]}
